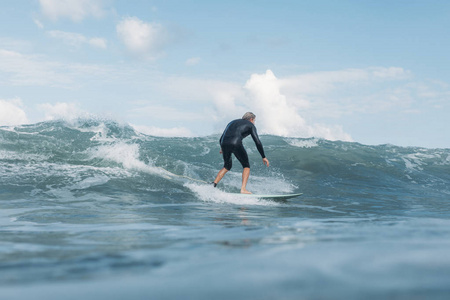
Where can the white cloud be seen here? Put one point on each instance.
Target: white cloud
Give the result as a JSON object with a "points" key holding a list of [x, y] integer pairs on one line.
{"points": [[192, 61], [73, 39], [145, 40], [277, 115], [222, 101], [227, 98], [21, 69], [13, 44], [98, 43], [390, 73], [166, 132], [12, 113], [335, 93], [76, 10], [324, 82], [38, 23], [61, 110], [276, 112], [76, 39], [165, 113], [312, 104]]}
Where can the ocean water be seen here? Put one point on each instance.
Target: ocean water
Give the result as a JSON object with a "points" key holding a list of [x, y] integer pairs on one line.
{"points": [[92, 209]]}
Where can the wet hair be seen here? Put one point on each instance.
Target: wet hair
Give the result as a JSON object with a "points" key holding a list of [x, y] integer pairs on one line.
{"points": [[248, 116]]}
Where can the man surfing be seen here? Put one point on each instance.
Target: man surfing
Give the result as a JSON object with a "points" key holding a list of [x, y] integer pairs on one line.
{"points": [[231, 142]]}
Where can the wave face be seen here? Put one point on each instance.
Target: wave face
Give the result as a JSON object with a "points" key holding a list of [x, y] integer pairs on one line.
{"points": [[94, 209], [58, 160]]}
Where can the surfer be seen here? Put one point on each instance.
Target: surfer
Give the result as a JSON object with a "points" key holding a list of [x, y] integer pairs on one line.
{"points": [[231, 142]]}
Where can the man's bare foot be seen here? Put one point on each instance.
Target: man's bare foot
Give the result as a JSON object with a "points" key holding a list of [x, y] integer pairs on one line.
{"points": [[245, 192]]}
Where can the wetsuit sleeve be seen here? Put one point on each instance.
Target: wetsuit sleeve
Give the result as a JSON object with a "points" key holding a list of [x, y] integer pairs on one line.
{"points": [[258, 143]]}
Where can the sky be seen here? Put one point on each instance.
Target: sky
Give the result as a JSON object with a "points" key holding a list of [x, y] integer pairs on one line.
{"points": [[372, 72]]}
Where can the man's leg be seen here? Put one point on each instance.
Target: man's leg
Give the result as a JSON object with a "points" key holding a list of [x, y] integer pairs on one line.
{"points": [[242, 156], [227, 164], [245, 175], [220, 176]]}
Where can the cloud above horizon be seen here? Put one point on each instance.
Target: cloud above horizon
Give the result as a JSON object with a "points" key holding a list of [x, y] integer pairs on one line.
{"points": [[24, 69], [305, 105], [279, 115], [61, 110], [77, 39], [142, 39], [76, 10], [12, 113]]}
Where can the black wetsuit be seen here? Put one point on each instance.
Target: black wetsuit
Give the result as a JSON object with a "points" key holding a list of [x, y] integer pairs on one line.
{"points": [[231, 142]]}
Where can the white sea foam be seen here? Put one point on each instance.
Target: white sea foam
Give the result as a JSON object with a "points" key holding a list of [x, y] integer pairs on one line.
{"points": [[210, 194], [414, 161], [101, 131], [309, 143], [128, 156], [270, 183], [16, 129], [205, 151], [447, 160], [12, 155], [90, 182], [8, 128], [410, 163]]}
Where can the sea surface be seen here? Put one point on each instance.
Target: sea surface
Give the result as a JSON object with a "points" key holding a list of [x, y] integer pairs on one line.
{"points": [[92, 209]]}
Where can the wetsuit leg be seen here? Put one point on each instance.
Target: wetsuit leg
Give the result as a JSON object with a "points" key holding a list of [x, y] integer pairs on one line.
{"points": [[227, 161], [241, 155]]}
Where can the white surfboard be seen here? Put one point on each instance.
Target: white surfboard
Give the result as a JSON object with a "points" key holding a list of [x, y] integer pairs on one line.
{"points": [[269, 197]]}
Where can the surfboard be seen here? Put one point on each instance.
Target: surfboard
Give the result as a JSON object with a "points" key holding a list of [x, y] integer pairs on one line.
{"points": [[269, 197]]}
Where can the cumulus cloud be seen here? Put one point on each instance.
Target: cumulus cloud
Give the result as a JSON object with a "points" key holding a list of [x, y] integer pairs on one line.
{"points": [[76, 39], [277, 115], [312, 104], [76, 10], [142, 39], [12, 113], [61, 110]]}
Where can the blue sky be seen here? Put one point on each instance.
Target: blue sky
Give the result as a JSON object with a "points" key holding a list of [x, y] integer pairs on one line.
{"points": [[373, 72]]}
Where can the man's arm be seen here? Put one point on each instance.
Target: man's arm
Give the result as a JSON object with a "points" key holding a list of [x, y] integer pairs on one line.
{"points": [[258, 143], [259, 146]]}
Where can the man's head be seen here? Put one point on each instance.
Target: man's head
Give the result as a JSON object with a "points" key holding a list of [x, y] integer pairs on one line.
{"points": [[249, 116]]}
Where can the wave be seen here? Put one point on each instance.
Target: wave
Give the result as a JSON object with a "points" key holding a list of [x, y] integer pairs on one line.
{"points": [[61, 160]]}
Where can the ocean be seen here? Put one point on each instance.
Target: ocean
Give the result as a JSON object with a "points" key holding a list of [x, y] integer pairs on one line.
{"points": [[93, 209]]}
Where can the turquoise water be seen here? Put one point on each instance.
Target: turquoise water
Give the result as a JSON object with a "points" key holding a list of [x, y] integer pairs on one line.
{"points": [[93, 209]]}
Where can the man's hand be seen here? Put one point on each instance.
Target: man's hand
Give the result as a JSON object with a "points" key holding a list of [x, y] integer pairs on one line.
{"points": [[266, 161], [220, 151]]}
